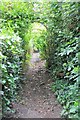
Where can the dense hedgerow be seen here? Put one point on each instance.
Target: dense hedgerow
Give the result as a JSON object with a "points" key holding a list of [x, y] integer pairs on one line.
{"points": [[60, 48], [14, 21], [63, 56], [11, 65]]}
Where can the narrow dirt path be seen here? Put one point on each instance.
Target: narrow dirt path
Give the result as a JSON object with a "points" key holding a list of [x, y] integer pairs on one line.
{"points": [[38, 101]]}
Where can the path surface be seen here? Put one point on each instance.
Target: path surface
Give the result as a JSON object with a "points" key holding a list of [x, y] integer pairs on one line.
{"points": [[38, 101]]}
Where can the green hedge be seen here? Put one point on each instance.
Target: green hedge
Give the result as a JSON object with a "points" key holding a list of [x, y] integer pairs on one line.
{"points": [[14, 22], [63, 55], [61, 48], [11, 65]]}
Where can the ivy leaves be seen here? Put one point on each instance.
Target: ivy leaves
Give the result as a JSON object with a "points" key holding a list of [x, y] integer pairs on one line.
{"points": [[63, 56], [61, 48], [10, 65]]}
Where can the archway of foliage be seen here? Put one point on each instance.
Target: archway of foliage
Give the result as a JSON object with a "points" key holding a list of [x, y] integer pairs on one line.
{"points": [[35, 39], [15, 39], [62, 22]]}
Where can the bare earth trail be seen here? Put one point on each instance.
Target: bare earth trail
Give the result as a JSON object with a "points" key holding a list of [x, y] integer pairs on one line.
{"points": [[38, 101]]}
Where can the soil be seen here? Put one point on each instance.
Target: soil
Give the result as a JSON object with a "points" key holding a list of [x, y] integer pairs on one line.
{"points": [[37, 99]]}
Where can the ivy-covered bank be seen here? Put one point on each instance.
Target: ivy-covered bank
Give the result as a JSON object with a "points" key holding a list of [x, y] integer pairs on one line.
{"points": [[64, 55], [14, 22], [59, 46]]}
